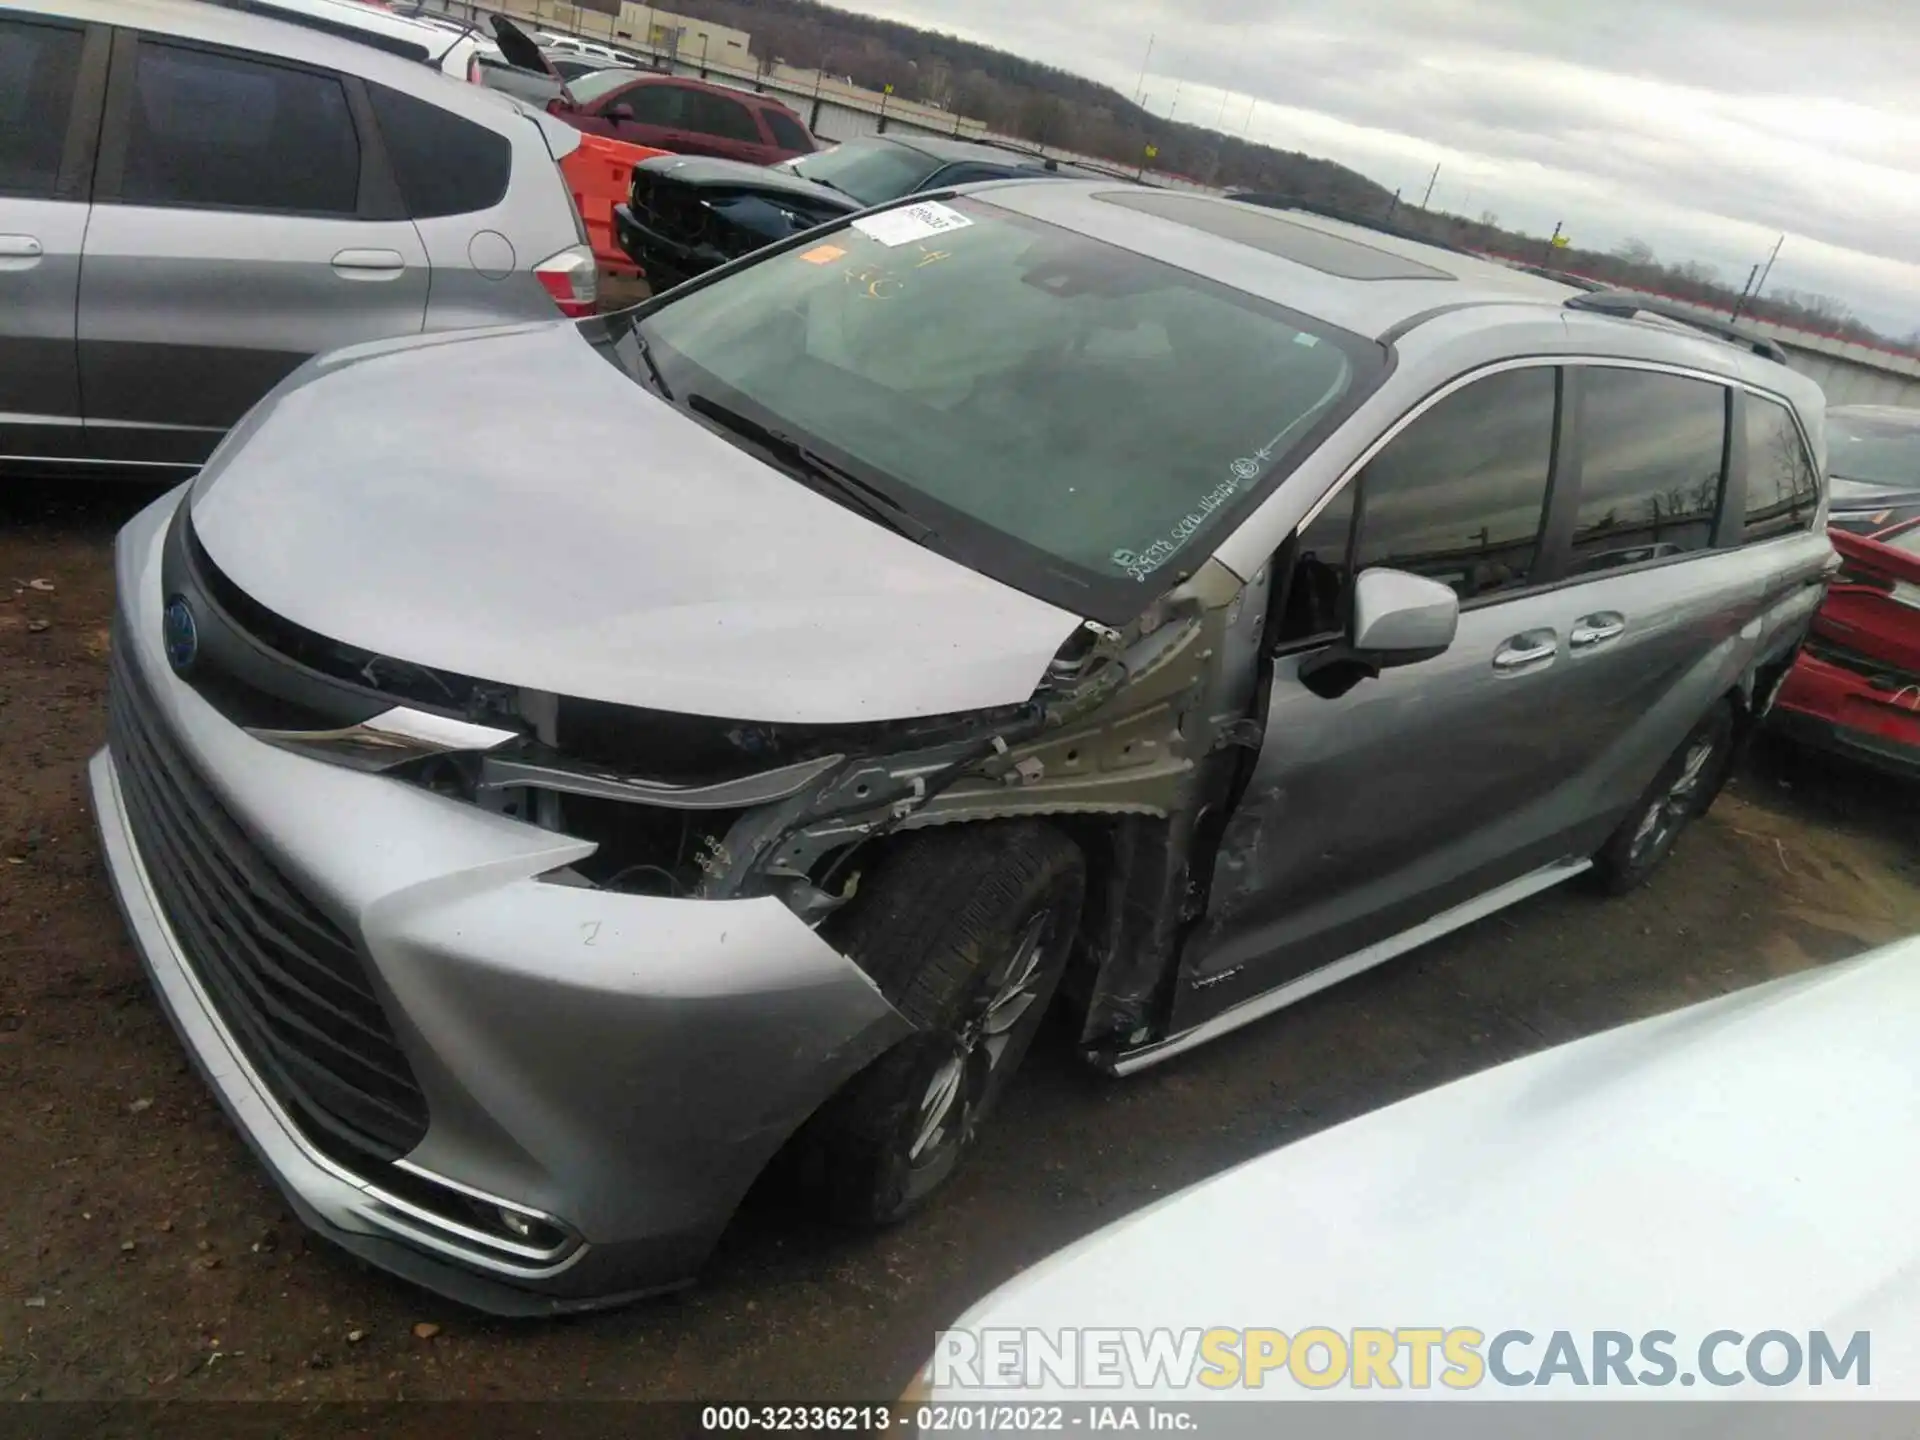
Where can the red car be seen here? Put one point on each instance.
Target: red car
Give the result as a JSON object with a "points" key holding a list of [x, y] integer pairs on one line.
{"points": [[684, 116], [1855, 689]]}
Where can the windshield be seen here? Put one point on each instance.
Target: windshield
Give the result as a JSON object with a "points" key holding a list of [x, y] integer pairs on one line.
{"points": [[1875, 450], [998, 377], [872, 171], [589, 88]]}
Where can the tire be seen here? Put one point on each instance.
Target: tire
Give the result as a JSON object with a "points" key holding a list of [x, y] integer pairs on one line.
{"points": [[966, 931], [1681, 792]]}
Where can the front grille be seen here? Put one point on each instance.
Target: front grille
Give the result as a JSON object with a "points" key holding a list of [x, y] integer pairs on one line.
{"points": [[672, 210], [286, 980]]}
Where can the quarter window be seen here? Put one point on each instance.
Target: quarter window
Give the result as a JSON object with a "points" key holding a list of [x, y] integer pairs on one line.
{"points": [[445, 165], [1654, 449], [38, 68], [1460, 494], [787, 133], [1782, 493], [217, 130], [1315, 604]]}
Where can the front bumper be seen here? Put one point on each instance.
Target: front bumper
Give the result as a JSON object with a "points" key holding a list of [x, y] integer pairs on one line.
{"points": [[619, 1068], [1829, 707], [666, 262]]}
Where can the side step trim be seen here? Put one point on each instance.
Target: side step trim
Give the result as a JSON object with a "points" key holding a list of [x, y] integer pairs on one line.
{"points": [[1127, 1062]]}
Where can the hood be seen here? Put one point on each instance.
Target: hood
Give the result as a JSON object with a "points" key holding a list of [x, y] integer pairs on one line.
{"points": [[703, 172], [507, 504], [1746, 1164]]}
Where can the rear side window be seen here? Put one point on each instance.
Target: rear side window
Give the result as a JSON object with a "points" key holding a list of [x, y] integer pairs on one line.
{"points": [[445, 165], [787, 132], [38, 67], [712, 114], [210, 129], [1459, 495], [1653, 451], [1782, 493]]}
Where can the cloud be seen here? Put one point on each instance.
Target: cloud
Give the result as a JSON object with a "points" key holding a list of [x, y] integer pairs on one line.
{"points": [[1706, 127]]}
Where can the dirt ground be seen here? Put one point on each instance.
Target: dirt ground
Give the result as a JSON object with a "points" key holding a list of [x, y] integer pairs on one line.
{"points": [[143, 1254]]}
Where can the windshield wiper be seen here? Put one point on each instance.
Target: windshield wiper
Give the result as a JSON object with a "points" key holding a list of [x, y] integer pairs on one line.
{"points": [[645, 352], [839, 189], [815, 468]]}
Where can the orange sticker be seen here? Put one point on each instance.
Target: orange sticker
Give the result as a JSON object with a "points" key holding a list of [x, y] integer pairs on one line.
{"points": [[822, 254]]}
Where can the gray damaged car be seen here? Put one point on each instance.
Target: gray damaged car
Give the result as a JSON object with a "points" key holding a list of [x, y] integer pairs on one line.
{"points": [[1068, 596]]}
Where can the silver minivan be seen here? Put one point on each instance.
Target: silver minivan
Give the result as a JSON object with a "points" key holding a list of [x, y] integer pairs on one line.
{"points": [[1068, 595], [194, 200]]}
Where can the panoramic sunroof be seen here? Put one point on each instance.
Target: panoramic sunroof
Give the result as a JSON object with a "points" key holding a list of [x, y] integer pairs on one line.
{"points": [[1329, 254]]}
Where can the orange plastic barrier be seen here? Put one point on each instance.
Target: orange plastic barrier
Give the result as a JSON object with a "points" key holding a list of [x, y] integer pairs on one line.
{"points": [[599, 173]]}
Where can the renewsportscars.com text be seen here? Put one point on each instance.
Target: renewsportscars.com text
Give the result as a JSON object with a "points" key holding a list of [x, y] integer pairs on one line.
{"points": [[1379, 1358]]}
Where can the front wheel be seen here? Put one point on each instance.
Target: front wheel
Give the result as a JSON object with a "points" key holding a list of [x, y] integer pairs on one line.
{"points": [[966, 931], [1683, 790]]}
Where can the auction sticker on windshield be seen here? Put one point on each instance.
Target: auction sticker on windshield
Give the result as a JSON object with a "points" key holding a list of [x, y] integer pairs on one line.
{"points": [[910, 223]]}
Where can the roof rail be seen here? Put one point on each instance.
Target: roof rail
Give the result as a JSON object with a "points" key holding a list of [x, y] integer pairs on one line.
{"points": [[392, 44], [1628, 303]]}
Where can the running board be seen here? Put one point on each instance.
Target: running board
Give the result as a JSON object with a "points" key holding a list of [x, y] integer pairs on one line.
{"points": [[1334, 971]]}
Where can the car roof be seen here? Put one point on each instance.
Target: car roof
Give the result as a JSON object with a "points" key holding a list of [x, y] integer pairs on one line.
{"points": [[258, 31], [747, 97], [1358, 279]]}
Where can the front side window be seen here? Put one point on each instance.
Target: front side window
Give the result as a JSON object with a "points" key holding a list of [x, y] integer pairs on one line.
{"points": [[1782, 491], [1460, 494], [654, 104], [218, 130], [39, 65], [1048, 404], [712, 114], [1653, 451]]}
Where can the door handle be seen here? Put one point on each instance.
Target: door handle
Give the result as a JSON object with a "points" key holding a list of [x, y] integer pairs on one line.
{"points": [[368, 264], [19, 252], [1591, 630], [1529, 650]]}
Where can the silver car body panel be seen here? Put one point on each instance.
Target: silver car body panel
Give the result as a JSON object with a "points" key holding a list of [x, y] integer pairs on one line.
{"points": [[590, 569], [1753, 1132], [624, 1064], [39, 279], [180, 318]]}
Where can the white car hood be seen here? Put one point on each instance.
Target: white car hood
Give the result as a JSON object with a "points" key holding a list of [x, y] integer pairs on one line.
{"points": [[506, 504], [1749, 1164]]}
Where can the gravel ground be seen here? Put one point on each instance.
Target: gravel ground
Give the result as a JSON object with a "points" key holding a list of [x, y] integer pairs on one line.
{"points": [[142, 1253]]}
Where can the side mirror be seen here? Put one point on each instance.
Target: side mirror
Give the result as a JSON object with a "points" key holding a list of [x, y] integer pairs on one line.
{"points": [[1398, 619]]}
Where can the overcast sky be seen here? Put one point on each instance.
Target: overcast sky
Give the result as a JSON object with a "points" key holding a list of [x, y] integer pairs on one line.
{"points": [[1705, 127]]}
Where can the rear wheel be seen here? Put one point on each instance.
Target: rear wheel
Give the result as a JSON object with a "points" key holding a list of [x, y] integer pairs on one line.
{"points": [[966, 931], [1683, 790]]}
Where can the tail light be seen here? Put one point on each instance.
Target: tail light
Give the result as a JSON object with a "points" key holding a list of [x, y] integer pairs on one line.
{"points": [[473, 69], [572, 279]]}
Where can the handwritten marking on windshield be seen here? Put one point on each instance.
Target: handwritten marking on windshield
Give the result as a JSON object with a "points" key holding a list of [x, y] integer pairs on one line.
{"points": [[1139, 564]]}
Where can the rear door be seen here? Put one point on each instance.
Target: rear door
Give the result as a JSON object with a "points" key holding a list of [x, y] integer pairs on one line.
{"points": [[241, 224], [50, 84], [1778, 502]]}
